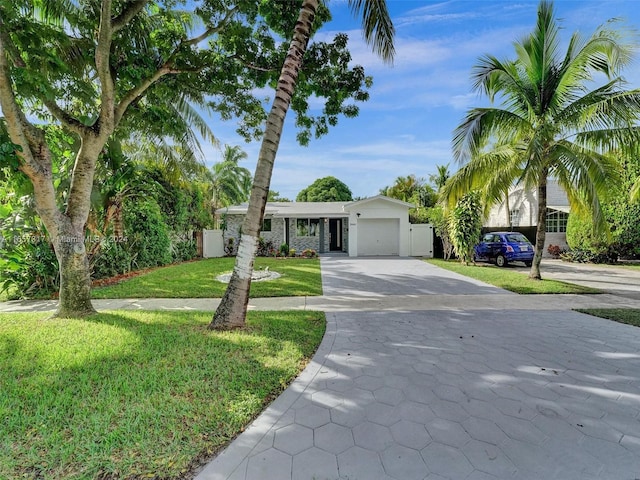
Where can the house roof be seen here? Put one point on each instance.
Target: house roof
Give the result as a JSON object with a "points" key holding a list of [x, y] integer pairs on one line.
{"points": [[296, 209], [364, 201], [311, 209]]}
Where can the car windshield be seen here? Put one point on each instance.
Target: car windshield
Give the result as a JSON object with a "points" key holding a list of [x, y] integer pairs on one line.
{"points": [[517, 238]]}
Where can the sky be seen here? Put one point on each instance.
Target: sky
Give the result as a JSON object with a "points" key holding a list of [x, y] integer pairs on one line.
{"points": [[415, 104]]}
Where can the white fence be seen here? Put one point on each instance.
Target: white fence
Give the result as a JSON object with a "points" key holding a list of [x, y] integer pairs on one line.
{"points": [[421, 240], [212, 244]]}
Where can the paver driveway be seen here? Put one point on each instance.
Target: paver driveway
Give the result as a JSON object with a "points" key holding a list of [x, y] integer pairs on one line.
{"points": [[449, 393]]}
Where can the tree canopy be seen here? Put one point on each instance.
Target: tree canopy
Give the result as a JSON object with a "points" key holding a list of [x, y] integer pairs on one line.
{"points": [[326, 189], [105, 69]]}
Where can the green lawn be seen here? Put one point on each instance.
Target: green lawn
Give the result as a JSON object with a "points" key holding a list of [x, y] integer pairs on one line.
{"points": [[197, 279], [630, 316], [137, 394], [510, 279]]}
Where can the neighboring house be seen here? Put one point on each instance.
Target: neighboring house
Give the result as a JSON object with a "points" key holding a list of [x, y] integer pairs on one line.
{"points": [[374, 226], [523, 212]]}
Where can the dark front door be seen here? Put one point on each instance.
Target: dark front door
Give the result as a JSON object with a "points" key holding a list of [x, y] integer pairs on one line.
{"points": [[335, 234]]}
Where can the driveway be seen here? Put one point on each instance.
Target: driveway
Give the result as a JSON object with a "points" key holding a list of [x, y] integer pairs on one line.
{"points": [[439, 380]]}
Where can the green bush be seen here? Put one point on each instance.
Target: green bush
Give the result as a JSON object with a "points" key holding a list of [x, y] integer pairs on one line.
{"points": [[183, 250], [113, 259], [284, 250], [29, 267], [147, 235]]}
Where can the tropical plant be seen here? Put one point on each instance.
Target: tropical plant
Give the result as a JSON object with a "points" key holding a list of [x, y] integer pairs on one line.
{"points": [[230, 183], [378, 30], [465, 225], [552, 123], [440, 179], [326, 189], [415, 190]]}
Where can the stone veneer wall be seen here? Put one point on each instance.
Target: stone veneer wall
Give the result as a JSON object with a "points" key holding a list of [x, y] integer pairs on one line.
{"points": [[302, 243], [277, 235], [234, 222]]}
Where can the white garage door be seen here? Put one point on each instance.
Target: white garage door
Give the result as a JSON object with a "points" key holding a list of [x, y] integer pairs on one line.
{"points": [[380, 236]]}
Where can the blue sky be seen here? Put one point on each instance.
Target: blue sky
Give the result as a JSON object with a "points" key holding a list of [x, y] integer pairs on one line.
{"points": [[406, 126]]}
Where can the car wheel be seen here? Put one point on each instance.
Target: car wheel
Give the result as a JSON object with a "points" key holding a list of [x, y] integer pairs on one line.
{"points": [[528, 264], [501, 261]]}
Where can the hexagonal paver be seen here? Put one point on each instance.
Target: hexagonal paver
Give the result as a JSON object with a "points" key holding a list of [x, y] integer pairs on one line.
{"points": [[314, 464], [405, 463], [415, 412], [333, 438], [449, 411], [293, 439], [357, 396], [484, 430], [312, 416], [446, 461], [369, 382], [269, 464], [372, 436], [489, 459], [382, 414], [388, 395], [348, 415], [359, 463], [448, 432], [410, 434], [327, 398]]}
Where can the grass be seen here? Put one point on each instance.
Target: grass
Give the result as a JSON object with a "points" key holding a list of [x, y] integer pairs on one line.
{"points": [[197, 279], [138, 394], [630, 316], [512, 280]]}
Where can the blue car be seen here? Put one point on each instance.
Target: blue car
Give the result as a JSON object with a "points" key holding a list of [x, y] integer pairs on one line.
{"points": [[504, 248]]}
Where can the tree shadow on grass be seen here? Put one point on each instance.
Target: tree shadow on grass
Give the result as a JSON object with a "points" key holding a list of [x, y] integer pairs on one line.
{"points": [[127, 394]]}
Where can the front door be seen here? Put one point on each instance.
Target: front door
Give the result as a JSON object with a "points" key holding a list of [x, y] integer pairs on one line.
{"points": [[335, 235]]}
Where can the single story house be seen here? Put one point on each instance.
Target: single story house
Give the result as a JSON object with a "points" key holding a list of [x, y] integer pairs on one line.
{"points": [[522, 214], [374, 226]]}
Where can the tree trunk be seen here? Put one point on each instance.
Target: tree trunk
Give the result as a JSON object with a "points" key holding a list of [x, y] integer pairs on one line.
{"points": [[233, 308], [75, 276], [541, 230]]}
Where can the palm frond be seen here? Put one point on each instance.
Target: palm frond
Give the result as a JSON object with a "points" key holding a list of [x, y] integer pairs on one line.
{"points": [[377, 26]]}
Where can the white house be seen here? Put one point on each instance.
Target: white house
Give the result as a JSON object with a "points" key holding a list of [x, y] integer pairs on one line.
{"points": [[374, 226], [523, 211]]}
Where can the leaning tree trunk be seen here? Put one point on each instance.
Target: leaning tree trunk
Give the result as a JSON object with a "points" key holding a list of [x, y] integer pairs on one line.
{"points": [[541, 229], [232, 311]]}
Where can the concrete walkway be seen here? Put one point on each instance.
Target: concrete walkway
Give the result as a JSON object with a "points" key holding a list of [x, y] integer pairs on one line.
{"points": [[424, 374]]}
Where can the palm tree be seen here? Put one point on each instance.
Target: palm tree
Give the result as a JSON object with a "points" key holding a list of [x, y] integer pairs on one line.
{"points": [[550, 124], [440, 178], [231, 183], [378, 31]]}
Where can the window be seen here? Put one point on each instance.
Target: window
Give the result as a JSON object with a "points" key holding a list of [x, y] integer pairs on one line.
{"points": [[556, 221], [307, 227], [266, 225], [514, 217]]}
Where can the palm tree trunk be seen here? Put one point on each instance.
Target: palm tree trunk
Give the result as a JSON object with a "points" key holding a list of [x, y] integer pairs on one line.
{"points": [[232, 311], [541, 230]]}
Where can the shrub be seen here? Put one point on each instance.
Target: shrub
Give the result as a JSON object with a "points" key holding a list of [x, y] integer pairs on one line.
{"points": [[183, 250], [147, 234], [29, 268], [113, 259], [554, 251], [284, 250], [292, 252], [264, 247], [309, 253]]}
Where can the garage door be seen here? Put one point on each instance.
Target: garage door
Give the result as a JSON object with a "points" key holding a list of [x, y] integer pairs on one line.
{"points": [[380, 236]]}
